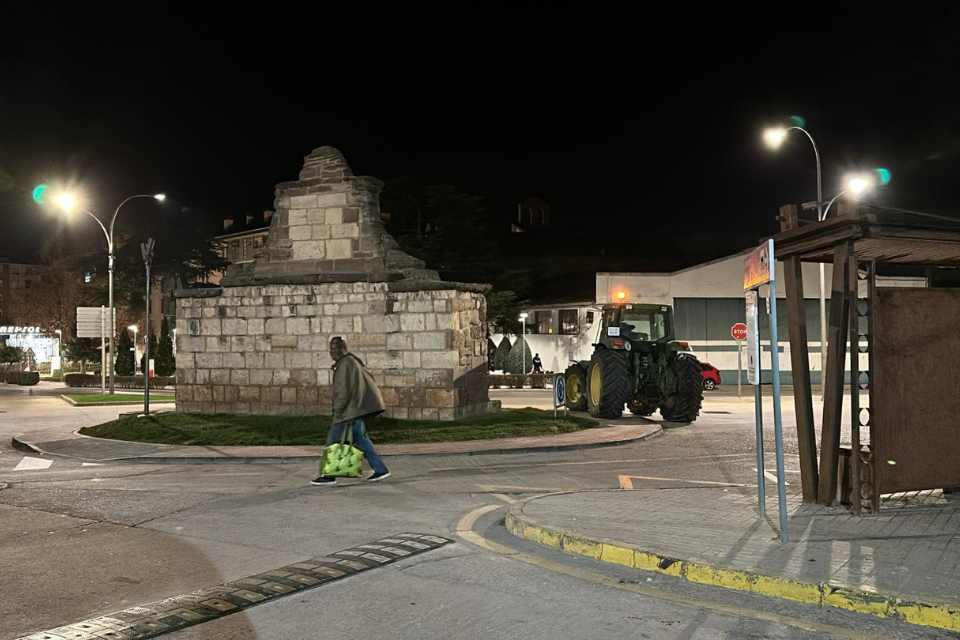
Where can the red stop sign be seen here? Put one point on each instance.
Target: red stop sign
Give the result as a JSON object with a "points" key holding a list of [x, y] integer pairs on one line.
{"points": [[738, 331]]}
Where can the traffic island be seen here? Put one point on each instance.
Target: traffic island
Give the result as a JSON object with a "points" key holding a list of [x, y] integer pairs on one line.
{"points": [[100, 449], [251, 430], [898, 564]]}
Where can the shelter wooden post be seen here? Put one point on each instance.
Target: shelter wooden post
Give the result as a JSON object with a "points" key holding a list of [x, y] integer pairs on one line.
{"points": [[800, 365], [833, 388]]}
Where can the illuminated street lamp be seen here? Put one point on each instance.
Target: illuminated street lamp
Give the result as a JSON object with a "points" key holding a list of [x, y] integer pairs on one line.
{"points": [[523, 337], [133, 328], [774, 138], [69, 202], [854, 186], [59, 333]]}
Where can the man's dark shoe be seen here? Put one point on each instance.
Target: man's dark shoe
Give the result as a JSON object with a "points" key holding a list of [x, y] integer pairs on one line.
{"points": [[377, 477], [324, 481]]}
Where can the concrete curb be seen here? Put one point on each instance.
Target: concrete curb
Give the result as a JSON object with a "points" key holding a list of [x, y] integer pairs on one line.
{"points": [[73, 402], [822, 594], [19, 442]]}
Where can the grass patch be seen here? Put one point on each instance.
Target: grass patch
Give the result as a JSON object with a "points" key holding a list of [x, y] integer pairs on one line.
{"points": [[223, 429], [86, 399]]}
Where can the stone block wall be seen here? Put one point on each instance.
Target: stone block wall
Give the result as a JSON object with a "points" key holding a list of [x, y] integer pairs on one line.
{"points": [[264, 349]]}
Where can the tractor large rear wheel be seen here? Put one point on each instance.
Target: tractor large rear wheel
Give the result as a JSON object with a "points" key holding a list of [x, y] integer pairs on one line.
{"points": [[608, 383], [576, 391], [685, 391]]}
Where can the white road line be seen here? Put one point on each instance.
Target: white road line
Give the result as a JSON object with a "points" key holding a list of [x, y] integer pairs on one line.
{"points": [[91, 464], [771, 476], [626, 481], [32, 464]]}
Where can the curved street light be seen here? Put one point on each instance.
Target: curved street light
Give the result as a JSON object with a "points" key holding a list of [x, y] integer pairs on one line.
{"points": [[856, 186], [69, 202], [774, 138]]}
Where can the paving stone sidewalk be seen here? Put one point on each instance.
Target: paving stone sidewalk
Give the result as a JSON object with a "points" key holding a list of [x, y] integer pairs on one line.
{"points": [[909, 551]]}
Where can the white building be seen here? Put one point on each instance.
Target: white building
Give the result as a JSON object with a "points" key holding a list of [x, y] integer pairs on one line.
{"points": [[707, 299]]}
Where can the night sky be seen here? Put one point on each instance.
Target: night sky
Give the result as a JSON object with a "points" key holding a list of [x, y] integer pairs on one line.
{"points": [[634, 125]]}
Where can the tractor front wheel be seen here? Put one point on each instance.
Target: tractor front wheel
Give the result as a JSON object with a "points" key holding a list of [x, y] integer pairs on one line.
{"points": [[576, 380], [608, 383], [686, 391]]}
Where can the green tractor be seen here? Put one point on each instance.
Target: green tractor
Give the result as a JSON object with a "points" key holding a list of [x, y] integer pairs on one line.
{"points": [[636, 362]]}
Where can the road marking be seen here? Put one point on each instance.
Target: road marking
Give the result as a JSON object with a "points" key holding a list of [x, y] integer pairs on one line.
{"points": [[91, 464], [626, 482], [32, 464], [606, 462], [178, 612], [771, 476], [522, 489], [465, 531]]}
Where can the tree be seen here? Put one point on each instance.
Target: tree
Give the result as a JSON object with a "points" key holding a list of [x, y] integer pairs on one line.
{"points": [[520, 357], [166, 364], [491, 354], [83, 350], [443, 226], [125, 358], [51, 300], [503, 309], [503, 352], [10, 358]]}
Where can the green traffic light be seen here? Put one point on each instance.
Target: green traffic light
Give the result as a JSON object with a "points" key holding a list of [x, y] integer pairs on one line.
{"points": [[38, 193]]}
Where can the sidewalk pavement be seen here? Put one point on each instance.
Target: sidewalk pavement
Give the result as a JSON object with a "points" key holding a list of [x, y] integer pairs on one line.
{"points": [[904, 561], [89, 449]]}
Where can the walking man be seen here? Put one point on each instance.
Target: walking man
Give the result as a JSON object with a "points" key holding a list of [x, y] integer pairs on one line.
{"points": [[355, 397], [537, 364]]}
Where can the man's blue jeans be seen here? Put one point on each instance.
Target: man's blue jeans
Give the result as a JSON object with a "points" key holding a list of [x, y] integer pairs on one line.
{"points": [[360, 441]]}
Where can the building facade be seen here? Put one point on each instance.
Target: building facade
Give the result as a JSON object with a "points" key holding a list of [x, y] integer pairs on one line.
{"points": [[707, 299]]}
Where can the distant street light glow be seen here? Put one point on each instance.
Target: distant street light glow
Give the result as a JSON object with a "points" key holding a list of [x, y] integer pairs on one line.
{"points": [[774, 137], [160, 197], [67, 202], [858, 185]]}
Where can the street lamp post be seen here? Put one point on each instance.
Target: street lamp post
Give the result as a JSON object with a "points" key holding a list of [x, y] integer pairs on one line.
{"points": [[774, 137], [68, 202], [523, 338], [146, 250]]}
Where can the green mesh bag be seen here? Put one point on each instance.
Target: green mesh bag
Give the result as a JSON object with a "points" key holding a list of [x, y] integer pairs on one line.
{"points": [[342, 459]]}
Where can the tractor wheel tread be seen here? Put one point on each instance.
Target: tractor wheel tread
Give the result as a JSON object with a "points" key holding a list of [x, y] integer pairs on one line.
{"points": [[576, 380], [616, 386], [688, 398]]}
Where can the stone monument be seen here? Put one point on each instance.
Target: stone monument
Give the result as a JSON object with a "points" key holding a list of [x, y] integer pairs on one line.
{"points": [[258, 343]]}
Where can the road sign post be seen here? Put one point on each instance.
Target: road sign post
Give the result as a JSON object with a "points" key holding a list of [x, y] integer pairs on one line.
{"points": [[559, 393], [739, 333], [760, 269], [92, 323]]}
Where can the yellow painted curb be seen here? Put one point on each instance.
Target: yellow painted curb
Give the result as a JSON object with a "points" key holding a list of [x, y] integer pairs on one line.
{"points": [[820, 594]]}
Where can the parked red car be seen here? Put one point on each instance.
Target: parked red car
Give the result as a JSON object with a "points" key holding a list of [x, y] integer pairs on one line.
{"points": [[711, 376]]}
